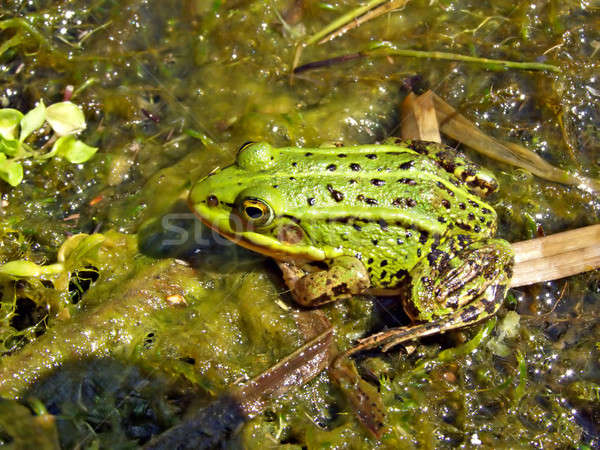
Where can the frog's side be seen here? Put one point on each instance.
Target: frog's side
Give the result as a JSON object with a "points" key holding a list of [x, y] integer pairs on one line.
{"points": [[402, 217], [395, 216]]}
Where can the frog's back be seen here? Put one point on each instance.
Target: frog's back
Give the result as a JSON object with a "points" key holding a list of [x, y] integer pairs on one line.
{"points": [[385, 204], [381, 183]]}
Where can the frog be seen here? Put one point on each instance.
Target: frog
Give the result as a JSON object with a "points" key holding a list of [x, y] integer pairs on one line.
{"points": [[402, 218]]}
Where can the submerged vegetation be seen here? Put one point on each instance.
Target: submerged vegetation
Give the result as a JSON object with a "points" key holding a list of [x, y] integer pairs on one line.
{"points": [[127, 314]]}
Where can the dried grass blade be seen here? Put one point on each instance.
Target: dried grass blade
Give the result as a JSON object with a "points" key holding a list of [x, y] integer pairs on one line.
{"points": [[343, 20], [419, 120], [558, 243], [370, 15], [557, 256]]}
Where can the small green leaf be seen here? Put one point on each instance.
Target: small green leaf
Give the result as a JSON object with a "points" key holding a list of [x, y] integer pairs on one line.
{"points": [[23, 269], [65, 118], [520, 389], [9, 147], [9, 121], [72, 149], [32, 120], [10, 171]]}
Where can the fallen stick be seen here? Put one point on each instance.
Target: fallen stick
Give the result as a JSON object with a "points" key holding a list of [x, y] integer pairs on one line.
{"points": [[207, 427], [556, 256]]}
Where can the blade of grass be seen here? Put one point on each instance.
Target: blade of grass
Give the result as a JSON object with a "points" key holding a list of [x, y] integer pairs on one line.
{"points": [[419, 120], [556, 244], [22, 24], [386, 49], [370, 15], [14, 41], [340, 25], [455, 125], [520, 389], [389, 49], [343, 20]]}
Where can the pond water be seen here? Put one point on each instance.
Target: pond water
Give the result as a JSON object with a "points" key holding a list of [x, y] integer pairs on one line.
{"points": [[170, 90]]}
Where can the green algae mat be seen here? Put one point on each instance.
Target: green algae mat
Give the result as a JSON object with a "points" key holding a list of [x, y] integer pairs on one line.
{"points": [[128, 316]]}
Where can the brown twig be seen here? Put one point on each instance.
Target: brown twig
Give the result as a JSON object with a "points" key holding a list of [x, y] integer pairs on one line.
{"points": [[556, 256]]}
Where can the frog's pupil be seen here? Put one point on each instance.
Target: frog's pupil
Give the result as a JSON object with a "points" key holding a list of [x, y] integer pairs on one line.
{"points": [[253, 212]]}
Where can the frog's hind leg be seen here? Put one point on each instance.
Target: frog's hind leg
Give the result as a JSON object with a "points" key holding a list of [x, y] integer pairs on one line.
{"points": [[450, 290], [396, 336]]}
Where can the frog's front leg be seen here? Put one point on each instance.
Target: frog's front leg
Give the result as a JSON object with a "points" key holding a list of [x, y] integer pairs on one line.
{"points": [[345, 276], [457, 284]]}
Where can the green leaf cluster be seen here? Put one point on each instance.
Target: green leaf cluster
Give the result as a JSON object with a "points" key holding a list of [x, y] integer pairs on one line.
{"points": [[65, 119]]}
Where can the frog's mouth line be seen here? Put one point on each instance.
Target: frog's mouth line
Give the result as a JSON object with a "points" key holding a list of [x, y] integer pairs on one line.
{"points": [[275, 250], [284, 255]]}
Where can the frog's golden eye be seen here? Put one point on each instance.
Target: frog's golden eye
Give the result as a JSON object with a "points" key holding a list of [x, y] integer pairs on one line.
{"points": [[256, 212]]}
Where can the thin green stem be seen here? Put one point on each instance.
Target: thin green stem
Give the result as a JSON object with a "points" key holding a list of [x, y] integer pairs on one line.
{"points": [[89, 82], [343, 20], [452, 354], [387, 49], [14, 41], [520, 389], [24, 152]]}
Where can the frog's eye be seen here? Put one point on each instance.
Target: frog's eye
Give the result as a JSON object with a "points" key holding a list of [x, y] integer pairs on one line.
{"points": [[256, 212]]}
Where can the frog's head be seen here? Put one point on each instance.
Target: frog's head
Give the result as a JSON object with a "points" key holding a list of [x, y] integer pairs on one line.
{"points": [[249, 204]]}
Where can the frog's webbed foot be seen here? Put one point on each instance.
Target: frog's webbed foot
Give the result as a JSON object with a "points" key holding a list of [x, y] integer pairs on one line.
{"points": [[451, 289], [345, 277]]}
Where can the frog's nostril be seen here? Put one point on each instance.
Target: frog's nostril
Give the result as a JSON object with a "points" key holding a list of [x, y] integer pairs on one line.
{"points": [[212, 200]]}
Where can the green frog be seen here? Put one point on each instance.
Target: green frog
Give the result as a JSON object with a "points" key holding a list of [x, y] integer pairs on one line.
{"points": [[402, 218]]}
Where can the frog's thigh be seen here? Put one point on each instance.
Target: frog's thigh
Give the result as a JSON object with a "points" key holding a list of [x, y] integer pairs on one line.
{"points": [[346, 276], [452, 291], [469, 280]]}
